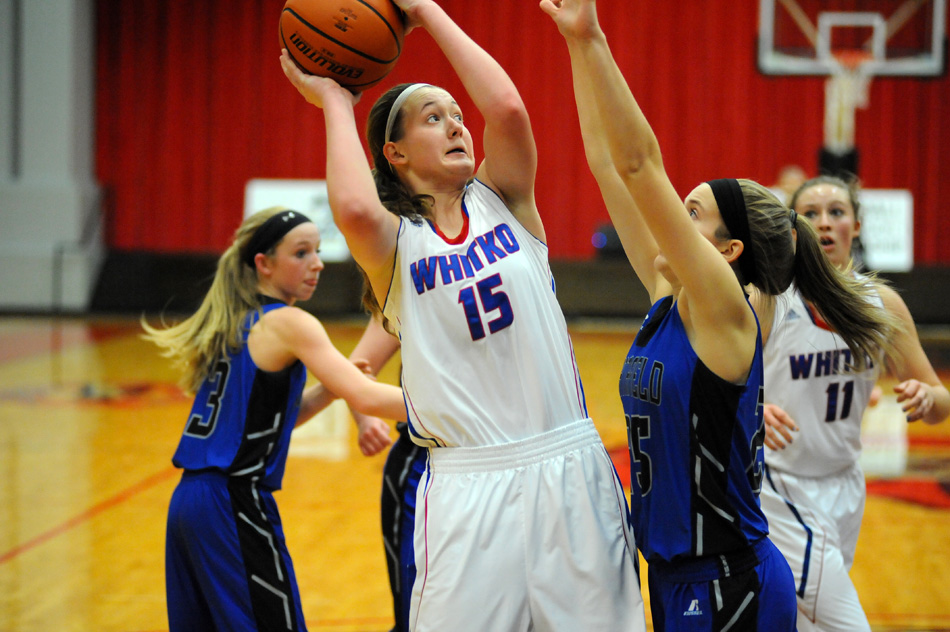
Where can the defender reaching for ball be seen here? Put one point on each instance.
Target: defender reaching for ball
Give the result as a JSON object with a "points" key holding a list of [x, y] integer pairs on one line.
{"points": [[692, 384], [521, 521]]}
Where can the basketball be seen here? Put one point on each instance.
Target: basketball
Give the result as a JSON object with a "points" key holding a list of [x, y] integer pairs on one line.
{"points": [[354, 42]]}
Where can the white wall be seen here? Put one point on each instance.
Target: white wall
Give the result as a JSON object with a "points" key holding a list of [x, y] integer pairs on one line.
{"points": [[50, 228]]}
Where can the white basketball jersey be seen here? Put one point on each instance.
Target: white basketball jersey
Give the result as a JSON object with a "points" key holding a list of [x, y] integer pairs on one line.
{"points": [[486, 354], [808, 374]]}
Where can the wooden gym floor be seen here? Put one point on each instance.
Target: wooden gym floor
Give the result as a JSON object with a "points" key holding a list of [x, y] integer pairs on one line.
{"points": [[90, 415]]}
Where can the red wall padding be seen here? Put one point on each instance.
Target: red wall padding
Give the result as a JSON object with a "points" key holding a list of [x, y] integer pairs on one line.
{"points": [[191, 104]]}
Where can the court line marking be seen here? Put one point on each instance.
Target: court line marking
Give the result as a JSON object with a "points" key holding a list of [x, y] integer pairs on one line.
{"points": [[89, 514]]}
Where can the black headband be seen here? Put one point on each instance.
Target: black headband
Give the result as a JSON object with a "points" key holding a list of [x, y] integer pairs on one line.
{"points": [[271, 232], [732, 208]]}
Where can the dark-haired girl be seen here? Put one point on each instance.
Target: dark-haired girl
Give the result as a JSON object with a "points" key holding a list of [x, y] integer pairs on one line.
{"points": [[692, 383]]}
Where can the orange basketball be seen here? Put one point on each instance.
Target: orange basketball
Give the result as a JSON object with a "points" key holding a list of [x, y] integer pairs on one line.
{"points": [[355, 42]]}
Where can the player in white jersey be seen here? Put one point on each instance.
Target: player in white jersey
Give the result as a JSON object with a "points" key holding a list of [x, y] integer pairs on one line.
{"points": [[490, 291], [814, 492], [521, 520]]}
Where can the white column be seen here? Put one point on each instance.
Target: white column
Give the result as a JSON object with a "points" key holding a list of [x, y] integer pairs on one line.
{"points": [[50, 229]]}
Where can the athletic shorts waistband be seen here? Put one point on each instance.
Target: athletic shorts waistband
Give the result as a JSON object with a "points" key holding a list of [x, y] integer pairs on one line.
{"points": [[711, 567], [507, 456], [214, 474]]}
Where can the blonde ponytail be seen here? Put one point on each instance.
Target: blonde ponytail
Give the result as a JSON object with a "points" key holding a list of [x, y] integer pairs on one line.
{"points": [[216, 328]]}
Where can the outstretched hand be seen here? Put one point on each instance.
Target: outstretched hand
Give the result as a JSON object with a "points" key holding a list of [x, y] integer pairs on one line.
{"points": [[916, 398], [575, 19], [313, 88], [778, 427]]}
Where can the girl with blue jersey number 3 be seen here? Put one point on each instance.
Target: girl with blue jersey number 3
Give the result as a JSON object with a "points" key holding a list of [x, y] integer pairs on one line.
{"points": [[692, 384], [245, 354]]}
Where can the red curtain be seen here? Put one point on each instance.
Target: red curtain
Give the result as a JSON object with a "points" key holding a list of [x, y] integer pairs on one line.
{"points": [[191, 104]]}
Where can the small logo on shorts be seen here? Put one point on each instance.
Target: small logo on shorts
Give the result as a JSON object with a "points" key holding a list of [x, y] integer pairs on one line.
{"points": [[693, 609]]}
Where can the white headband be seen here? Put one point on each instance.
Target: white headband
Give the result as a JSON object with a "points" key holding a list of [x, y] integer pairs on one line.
{"points": [[397, 105]]}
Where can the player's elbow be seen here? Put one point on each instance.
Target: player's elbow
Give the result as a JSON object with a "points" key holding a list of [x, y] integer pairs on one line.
{"points": [[630, 159], [509, 113], [354, 215]]}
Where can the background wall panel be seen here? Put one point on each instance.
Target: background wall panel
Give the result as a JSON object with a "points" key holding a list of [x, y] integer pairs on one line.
{"points": [[191, 103]]}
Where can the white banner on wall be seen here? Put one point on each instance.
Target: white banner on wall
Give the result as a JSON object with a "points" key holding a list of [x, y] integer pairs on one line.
{"points": [[887, 220], [887, 229], [307, 196]]}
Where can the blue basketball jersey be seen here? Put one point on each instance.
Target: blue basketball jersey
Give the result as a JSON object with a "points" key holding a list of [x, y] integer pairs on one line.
{"points": [[242, 417], [696, 455]]}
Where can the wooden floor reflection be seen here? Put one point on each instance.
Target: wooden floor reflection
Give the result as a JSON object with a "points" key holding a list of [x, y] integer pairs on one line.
{"points": [[89, 417]]}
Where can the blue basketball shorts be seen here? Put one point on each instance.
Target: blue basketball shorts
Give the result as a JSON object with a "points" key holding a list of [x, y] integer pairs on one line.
{"points": [[226, 561], [750, 590]]}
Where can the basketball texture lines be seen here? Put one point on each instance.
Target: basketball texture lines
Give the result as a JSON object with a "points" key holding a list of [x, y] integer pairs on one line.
{"points": [[355, 42]]}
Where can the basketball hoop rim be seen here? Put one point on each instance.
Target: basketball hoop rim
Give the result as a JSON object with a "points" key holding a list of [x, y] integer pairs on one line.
{"points": [[852, 60]]}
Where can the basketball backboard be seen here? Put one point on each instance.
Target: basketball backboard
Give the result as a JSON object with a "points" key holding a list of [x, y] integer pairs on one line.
{"points": [[814, 37]]}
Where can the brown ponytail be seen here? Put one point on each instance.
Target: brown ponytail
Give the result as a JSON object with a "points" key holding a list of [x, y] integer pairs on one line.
{"points": [[843, 301]]}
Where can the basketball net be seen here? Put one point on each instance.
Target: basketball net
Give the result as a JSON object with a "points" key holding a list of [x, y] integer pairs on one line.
{"points": [[845, 90]]}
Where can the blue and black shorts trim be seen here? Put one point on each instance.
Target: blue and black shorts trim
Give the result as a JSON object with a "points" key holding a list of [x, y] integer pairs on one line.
{"points": [[749, 589], [226, 561], [271, 584]]}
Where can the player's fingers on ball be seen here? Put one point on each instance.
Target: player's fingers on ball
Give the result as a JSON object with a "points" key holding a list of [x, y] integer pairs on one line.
{"points": [[286, 64]]}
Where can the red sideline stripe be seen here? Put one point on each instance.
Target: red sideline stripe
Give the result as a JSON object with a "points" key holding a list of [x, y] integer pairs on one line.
{"points": [[621, 459], [929, 442], [90, 513], [925, 492]]}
